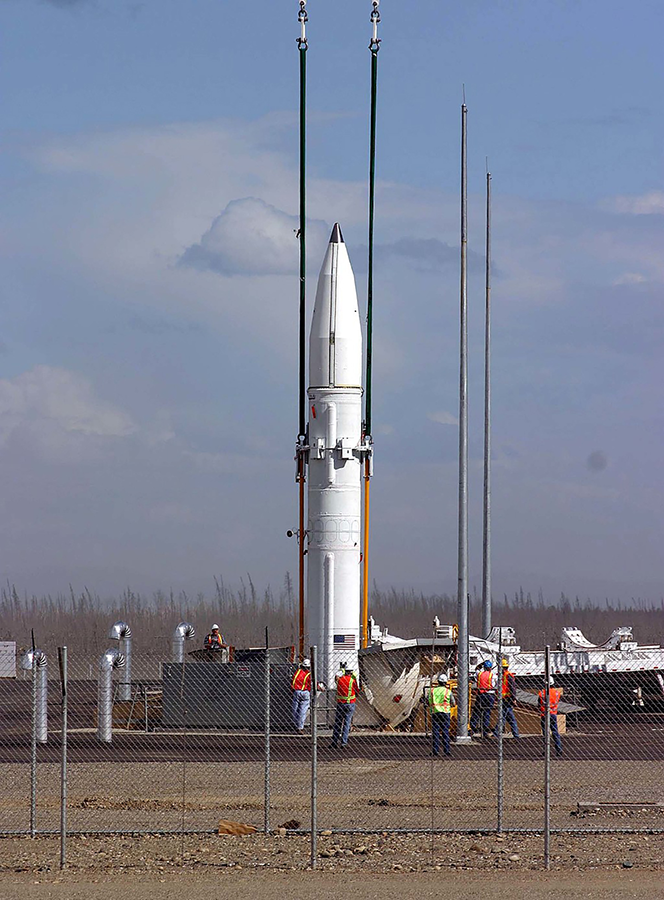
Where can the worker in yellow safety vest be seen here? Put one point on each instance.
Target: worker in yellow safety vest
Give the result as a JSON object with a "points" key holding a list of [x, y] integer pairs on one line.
{"points": [[346, 696], [301, 685], [441, 701]]}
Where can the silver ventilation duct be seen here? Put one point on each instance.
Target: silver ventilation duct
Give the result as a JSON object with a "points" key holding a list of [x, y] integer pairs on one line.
{"points": [[111, 660], [38, 660], [122, 632], [184, 632]]}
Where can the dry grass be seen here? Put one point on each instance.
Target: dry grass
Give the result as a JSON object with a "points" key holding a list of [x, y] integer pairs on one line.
{"points": [[82, 620]]}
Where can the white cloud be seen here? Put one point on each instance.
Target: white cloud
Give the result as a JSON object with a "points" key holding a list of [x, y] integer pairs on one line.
{"points": [[251, 237], [136, 199], [648, 204], [443, 418], [630, 278], [48, 401]]}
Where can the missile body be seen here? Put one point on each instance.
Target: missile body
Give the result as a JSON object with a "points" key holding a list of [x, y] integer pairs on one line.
{"points": [[335, 453]]}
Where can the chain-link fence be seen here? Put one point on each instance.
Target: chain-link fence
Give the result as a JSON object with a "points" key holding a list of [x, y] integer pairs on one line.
{"points": [[219, 740]]}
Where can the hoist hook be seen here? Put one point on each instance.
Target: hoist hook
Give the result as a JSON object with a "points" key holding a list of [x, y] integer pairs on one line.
{"points": [[302, 18], [374, 45]]}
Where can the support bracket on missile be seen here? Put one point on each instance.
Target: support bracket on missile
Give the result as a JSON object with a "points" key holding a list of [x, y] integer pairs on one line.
{"points": [[317, 450], [364, 451], [301, 457]]}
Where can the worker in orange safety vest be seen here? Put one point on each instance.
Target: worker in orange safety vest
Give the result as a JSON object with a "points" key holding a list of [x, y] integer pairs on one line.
{"points": [[554, 699], [485, 697], [508, 691], [301, 685], [346, 697], [214, 640]]}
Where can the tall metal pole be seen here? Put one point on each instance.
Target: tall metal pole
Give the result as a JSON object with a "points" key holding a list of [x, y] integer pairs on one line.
{"points": [[501, 701], [266, 824], [314, 756], [62, 658], [301, 457], [374, 47], [462, 571], [547, 756], [486, 543], [33, 754]]}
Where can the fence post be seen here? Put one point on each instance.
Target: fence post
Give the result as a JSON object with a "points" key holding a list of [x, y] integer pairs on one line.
{"points": [[314, 756], [547, 755], [62, 659], [266, 825], [33, 755], [499, 726], [185, 750]]}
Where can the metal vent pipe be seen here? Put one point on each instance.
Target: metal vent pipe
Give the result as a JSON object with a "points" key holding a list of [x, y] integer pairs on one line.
{"points": [[111, 660], [122, 632], [184, 632], [37, 659]]}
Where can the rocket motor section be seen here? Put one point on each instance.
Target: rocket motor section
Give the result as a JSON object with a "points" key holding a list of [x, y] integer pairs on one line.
{"points": [[334, 541], [335, 454]]}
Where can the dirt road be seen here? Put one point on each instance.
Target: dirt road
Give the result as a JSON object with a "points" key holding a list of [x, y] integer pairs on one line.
{"points": [[617, 885]]}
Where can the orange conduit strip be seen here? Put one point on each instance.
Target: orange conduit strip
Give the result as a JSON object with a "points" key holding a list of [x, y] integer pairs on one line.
{"points": [[301, 544], [365, 559]]}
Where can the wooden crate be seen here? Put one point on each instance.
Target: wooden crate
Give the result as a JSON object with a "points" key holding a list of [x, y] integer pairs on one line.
{"points": [[122, 709]]}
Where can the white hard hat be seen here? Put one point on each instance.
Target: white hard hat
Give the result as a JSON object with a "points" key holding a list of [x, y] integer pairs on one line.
{"points": [[306, 663], [550, 679], [215, 626], [442, 678]]}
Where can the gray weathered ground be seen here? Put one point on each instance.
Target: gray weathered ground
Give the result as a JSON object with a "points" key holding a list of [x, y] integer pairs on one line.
{"points": [[273, 867], [352, 793]]}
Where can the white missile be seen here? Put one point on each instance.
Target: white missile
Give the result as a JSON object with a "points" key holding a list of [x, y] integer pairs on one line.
{"points": [[335, 453]]}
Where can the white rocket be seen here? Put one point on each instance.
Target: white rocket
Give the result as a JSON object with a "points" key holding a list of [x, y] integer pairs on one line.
{"points": [[335, 472]]}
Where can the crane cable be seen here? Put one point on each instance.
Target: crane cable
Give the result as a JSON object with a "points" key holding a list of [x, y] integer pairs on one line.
{"points": [[374, 47], [301, 450]]}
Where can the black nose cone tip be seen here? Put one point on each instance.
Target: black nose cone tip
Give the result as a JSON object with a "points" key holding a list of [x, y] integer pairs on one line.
{"points": [[336, 237]]}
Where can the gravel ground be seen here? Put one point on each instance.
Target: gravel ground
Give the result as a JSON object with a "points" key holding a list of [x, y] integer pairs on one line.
{"points": [[331, 886], [352, 793], [29, 860], [625, 885]]}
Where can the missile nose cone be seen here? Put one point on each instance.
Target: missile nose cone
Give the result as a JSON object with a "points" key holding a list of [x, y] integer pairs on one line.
{"points": [[335, 339], [336, 237]]}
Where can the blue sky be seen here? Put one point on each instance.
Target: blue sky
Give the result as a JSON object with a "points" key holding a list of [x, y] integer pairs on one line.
{"points": [[148, 356]]}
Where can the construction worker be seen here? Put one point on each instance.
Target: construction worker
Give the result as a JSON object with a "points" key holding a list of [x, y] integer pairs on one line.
{"points": [[508, 691], [485, 697], [441, 701], [301, 685], [214, 640], [554, 699], [346, 696]]}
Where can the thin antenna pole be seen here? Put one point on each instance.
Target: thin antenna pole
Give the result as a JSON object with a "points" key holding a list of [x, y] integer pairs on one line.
{"points": [[462, 572], [374, 47], [302, 47], [486, 540], [301, 453]]}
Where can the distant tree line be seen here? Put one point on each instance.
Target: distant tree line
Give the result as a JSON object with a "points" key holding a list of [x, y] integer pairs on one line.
{"points": [[82, 620]]}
